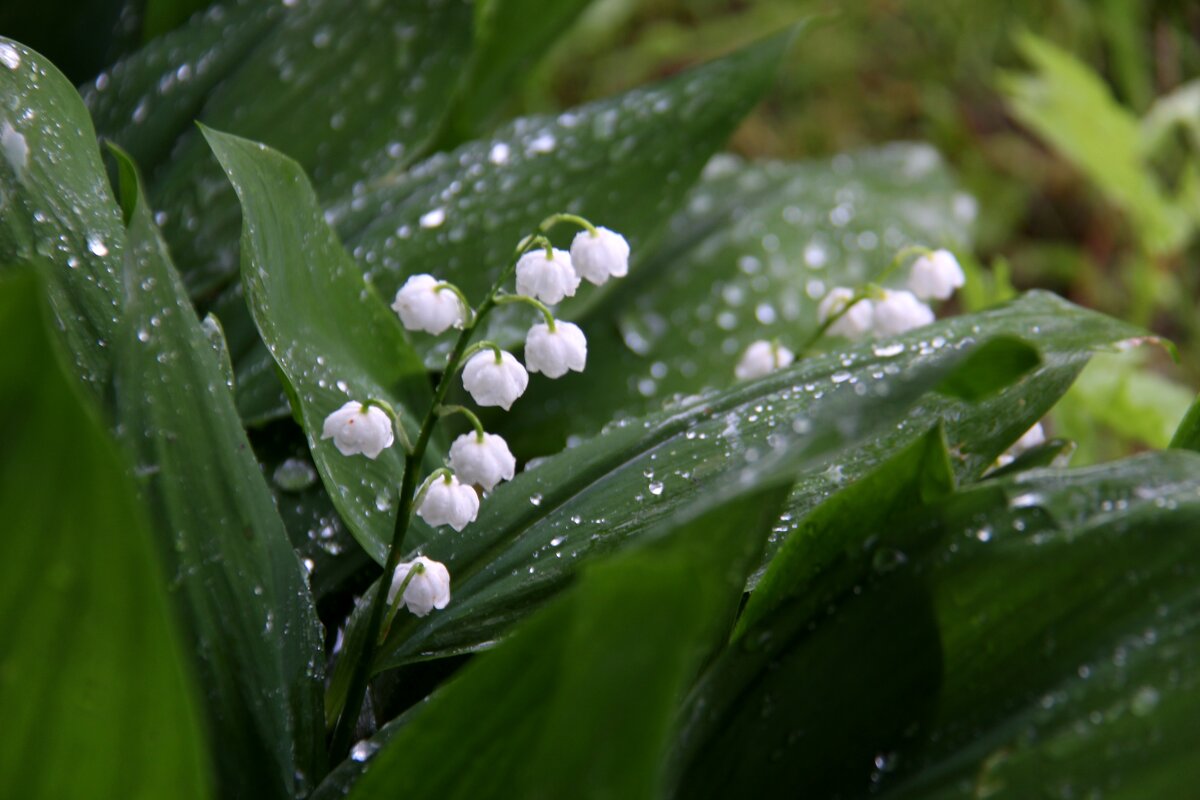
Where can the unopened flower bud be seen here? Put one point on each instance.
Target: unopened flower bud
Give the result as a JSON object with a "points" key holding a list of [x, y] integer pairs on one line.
{"points": [[555, 352], [428, 589], [494, 383], [546, 279], [424, 307], [601, 255], [484, 461], [356, 428], [762, 358], [449, 502]]}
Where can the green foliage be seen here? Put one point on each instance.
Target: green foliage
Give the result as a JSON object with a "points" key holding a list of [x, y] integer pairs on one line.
{"points": [[818, 582], [85, 603]]}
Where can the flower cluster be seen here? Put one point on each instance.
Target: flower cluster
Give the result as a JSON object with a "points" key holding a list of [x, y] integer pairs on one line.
{"points": [[874, 310], [479, 460]]}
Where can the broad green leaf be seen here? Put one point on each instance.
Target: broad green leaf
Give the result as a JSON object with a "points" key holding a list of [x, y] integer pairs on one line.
{"points": [[1187, 435], [749, 257], [511, 36], [351, 91], [624, 162], [581, 699], [163, 16], [56, 206], [1068, 614], [1032, 609], [237, 581], [147, 100], [600, 495], [84, 607], [1070, 107], [331, 334]]}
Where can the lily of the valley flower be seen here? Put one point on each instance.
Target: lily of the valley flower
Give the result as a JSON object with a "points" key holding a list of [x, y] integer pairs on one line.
{"points": [[428, 589], [600, 254], [356, 428], [495, 382], [484, 460], [555, 352], [548, 278], [855, 322], [447, 501], [935, 276], [422, 306], [762, 358], [900, 311]]}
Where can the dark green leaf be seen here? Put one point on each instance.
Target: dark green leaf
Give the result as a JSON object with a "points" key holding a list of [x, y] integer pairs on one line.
{"points": [[84, 606], [240, 587], [1187, 435], [56, 206], [332, 336], [749, 257], [581, 700], [595, 497], [351, 91], [1069, 610]]}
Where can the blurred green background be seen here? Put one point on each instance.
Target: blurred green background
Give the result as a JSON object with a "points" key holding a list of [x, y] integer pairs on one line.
{"points": [[1074, 123]]}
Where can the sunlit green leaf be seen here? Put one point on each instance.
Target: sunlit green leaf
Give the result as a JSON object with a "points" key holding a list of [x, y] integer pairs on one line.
{"points": [[84, 606]]}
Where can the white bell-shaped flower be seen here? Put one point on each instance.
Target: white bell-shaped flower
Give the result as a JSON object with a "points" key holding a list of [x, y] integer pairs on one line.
{"points": [[762, 358], [900, 311], [356, 428], [853, 324], [546, 279], [492, 382], [935, 276], [428, 589], [447, 501], [424, 307], [555, 352], [600, 255], [482, 460]]}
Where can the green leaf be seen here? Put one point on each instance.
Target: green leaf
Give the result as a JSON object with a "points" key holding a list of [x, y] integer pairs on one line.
{"points": [[1070, 107], [602, 494], [625, 163], [239, 586], [1043, 617], [1068, 610], [147, 100], [511, 36], [1187, 435], [749, 257], [332, 336], [84, 607], [351, 93], [580, 702], [56, 206]]}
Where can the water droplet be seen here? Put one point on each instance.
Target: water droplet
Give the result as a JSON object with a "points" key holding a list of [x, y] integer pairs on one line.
{"points": [[95, 243], [656, 488], [9, 56], [499, 153], [295, 475], [557, 540], [535, 499], [1144, 701], [363, 750], [15, 148], [434, 218]]}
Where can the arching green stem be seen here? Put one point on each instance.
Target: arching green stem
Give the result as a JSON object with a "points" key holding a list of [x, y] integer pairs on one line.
{"points": [[462, 298], [509, 299], [397, 425], [554, 219], [444, 411], [486, 344], [417, 569]]}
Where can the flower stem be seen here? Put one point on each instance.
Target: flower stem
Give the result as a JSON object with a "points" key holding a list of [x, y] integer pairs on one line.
{"points": [[339, 744], [506, 299], [552, 220], [466, 412]]}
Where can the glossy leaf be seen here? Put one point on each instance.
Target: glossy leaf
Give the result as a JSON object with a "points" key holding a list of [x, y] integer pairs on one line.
{"points": [[332, 336], [238, 584], [1045, 617], [593, 498], [350, 92], [749, 257], [581, 699], [85, 604], [57, 206]]}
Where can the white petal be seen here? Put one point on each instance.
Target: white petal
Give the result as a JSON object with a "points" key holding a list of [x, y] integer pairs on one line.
{"points": [[601, 255], [494, 384], [554, 353], [546, 279]]}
